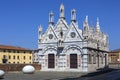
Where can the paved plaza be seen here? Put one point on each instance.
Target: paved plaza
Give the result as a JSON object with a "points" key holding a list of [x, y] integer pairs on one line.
{"points": [[41, 75]]}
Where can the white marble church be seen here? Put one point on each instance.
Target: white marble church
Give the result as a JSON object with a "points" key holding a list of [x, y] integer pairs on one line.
{"points": [[64, 47]]}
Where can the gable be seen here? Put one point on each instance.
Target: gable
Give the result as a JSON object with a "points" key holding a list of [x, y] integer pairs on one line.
{"points": [[49, 35], [61, 23], [61, 26], [73, 34]]}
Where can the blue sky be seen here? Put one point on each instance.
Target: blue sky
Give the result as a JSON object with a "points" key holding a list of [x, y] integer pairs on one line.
{"points": [[19, 19]]}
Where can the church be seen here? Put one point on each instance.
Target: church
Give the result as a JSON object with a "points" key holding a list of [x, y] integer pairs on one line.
{"points": [[64, 47]]}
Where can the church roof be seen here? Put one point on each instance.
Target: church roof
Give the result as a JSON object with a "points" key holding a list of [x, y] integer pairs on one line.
{"points": [[8, 47]]}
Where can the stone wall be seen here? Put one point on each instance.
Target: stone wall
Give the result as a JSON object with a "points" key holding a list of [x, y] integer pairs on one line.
{"points": [[114, 65], [17, 67]]}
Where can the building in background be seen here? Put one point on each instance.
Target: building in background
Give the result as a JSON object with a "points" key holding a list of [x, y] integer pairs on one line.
{"points": [[114, 56], [15, 55], [65, 47]]}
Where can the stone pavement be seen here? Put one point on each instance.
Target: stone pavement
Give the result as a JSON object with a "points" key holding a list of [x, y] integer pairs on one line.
{"points": [[41, 75]]}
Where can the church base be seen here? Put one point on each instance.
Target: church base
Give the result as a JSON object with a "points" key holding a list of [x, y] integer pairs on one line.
{"points": [[66, 70]]}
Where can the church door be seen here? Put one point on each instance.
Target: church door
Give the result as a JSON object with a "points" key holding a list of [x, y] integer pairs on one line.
{"points": [[51, 61], [73, 60]]}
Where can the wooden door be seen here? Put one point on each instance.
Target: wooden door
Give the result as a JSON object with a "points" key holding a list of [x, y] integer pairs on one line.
{"points": [[51, 61], [73, 60]]}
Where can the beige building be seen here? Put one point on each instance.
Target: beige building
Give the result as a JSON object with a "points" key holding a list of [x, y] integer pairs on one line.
{"points": [[15, 55], [114, 56]]}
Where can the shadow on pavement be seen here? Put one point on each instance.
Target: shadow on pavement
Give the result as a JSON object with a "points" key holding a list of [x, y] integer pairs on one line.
{"points": [[1, 78], [92, 74]]}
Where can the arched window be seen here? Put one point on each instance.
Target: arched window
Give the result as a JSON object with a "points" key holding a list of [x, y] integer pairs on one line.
{"points": [[89, 58], [94, 59], [61, 34]]}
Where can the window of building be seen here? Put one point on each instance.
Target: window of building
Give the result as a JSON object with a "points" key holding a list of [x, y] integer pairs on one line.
{"points": [[9, 57], [4, 60], [13, 57], [101, 59], [113, 58], [90, 59], [30, 51], [94, 59], [14, 51], [9, 62], [9, 51], [4, 50], [17, 57], [30, 57], [24, 57], [18, 62], [18, 51], [13, 62], [4, 56], [24, 62], [24, 52], [1, 50]]}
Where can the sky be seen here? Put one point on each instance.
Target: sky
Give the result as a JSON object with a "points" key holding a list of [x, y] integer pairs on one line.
{"points": [[19, 19]]}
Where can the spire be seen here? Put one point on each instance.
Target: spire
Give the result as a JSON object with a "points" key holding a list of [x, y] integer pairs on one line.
{"points": [[86, 19], [97, 25], [39, 34], [91, 28], [86, 26], [51, 18], [73, 15], [40, 29], [62, 11], [97, 21]]}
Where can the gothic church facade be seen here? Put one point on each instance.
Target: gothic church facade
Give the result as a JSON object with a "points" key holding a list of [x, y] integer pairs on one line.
{"points": [[65, 47]]}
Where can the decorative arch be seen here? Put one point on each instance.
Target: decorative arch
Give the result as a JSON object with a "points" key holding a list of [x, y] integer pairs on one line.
{"points": [[72, 47], [50, 48]]}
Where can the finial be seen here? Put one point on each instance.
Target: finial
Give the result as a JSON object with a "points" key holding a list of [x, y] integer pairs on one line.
{"points": [[91, 28], [97, 25], [97, 21], [86, 22], [62, 6], [61, 11], [51, 17], [40, 28], [86, 19], [51, 13], [73, 15]]}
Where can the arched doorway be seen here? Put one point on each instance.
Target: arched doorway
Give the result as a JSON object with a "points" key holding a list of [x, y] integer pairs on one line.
{"points": [[73, 61], [51, 61], [74, 56]]}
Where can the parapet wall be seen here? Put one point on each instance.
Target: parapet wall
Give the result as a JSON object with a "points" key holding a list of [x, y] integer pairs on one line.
{"points": [[17, 67]]}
